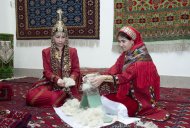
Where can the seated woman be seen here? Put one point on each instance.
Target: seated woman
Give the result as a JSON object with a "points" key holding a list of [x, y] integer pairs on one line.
{"points": [[135, 78], [61, 67]]}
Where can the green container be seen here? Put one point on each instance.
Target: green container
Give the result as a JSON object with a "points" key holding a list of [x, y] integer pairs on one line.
{"points": [[91, 99]]}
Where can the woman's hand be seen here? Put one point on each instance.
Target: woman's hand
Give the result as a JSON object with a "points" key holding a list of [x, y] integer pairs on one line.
{"points": [[97, 81], [61, 83]]}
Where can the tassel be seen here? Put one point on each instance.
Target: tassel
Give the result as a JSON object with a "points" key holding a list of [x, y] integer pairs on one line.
{"points": [[47, 42]]}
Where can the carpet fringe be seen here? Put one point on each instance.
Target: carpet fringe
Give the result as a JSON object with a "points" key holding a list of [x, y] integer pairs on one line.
{"points": [[47, 42], [13, 78], [161, 46]]}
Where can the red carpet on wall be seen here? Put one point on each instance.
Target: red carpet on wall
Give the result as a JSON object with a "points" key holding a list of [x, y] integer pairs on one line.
{"points": [[157, 20], [175, 100]]}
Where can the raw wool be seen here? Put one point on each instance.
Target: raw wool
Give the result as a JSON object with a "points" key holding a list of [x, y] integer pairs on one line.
{"points": [[71, 107], [90, 117], [68, 82], [86, 81], [146, 124], [86, 86]]}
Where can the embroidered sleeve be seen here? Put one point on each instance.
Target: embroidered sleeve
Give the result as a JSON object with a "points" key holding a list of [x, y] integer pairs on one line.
{"points": [[117, 67], [75, 67], [126, 75]]}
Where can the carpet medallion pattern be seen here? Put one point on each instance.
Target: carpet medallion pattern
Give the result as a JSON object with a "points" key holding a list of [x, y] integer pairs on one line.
{"points": [[35, 18]]}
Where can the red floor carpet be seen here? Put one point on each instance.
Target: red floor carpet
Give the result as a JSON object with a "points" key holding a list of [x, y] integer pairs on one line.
{"points": [[175, 100]]}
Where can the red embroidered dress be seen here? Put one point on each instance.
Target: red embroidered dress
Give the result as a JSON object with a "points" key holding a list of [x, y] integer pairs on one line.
{"points": [[137, 81], [46, 92]]}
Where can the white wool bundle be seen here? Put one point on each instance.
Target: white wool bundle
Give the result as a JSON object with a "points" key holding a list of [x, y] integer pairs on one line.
{"points": [[86, 81], [71, 107], [68, 82], [86, 86], [91, 117], [90, 75]]}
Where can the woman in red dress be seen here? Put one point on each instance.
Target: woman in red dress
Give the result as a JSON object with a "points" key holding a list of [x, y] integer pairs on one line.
{"points": [[135, 77], [61, 64]]}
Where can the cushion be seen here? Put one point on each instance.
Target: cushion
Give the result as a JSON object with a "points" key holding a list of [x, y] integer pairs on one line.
{"points": [[6, 92]]}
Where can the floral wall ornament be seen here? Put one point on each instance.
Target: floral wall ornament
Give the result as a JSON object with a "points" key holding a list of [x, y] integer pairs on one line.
{"points": [[6, 52], [6, 55]]}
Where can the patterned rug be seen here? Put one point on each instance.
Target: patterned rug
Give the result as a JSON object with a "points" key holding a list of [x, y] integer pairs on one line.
{"points": [[157, 20], [35, 18], [175, 100]]}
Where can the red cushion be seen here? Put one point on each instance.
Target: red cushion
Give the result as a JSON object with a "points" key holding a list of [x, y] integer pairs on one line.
{"points": [[6, 92]]}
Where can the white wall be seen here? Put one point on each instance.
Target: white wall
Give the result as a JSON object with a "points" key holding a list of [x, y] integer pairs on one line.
{"points": [[173, 63], [99, 55], [7, 22]]}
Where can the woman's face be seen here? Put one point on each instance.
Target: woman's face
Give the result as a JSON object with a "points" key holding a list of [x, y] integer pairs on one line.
{"points": [[59, 39], [125, 43]]}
